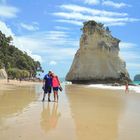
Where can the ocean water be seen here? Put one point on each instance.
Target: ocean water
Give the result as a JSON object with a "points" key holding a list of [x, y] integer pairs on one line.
{"points": [[135, 89], [136, 82], [62, 79]]}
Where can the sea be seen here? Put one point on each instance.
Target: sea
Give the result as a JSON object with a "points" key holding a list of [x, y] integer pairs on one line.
{"points": [[135, 87], [136, 82]]}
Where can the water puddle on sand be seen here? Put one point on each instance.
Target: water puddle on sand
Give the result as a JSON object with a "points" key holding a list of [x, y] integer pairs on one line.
{"points": [[81, 114]]}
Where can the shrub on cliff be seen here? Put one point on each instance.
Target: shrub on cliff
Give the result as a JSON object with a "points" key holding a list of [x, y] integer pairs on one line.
{"points": [[17, 73]]}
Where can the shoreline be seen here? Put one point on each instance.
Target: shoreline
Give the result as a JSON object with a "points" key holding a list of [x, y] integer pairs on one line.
{"points": [[14, 83], [4, 85], [132, 88]]}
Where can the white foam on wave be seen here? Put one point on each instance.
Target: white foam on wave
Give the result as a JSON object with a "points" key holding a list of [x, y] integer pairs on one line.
{"points": [[135, 88], [103, 86], [67, 83]]}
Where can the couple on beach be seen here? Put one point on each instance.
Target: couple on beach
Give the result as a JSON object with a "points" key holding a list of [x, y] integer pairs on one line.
{"points": [[51, 81]]}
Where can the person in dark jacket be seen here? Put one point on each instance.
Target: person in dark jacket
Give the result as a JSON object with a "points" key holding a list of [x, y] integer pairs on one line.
{"points": [[47, 85]]}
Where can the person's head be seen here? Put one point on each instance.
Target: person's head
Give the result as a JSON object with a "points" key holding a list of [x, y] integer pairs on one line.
{"points": [[50, 73], [53, 75]]}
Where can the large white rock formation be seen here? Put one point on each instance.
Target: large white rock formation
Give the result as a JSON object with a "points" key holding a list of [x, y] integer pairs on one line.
{"points": [[97, 59]]}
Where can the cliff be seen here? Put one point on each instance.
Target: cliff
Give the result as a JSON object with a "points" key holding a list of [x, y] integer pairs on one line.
{"points": [[3, 74], [97, 60]]}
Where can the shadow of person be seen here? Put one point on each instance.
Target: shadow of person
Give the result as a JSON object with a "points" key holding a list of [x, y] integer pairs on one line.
{"points": [[49, 117]]}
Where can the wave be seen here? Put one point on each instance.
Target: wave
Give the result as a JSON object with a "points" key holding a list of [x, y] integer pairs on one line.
{"points": [[135, 89]]}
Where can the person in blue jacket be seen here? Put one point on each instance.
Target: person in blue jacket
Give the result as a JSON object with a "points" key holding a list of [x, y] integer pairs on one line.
{"points": [[47, 85]]}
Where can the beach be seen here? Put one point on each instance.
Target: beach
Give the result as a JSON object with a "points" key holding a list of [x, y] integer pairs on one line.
{"points": [[5, 85], [83, 112]]}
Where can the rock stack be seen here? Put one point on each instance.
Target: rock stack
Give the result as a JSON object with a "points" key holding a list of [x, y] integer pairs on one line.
{"points": [[97, 60]]}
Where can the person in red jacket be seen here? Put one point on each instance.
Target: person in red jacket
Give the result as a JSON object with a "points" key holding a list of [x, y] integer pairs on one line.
{"points": [[56, 85]]}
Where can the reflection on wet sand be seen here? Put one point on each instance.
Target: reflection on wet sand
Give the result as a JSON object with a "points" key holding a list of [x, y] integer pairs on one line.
{"points": [[96, 113], [86, 114], [23, 116], [14, 101], [49, 116]]}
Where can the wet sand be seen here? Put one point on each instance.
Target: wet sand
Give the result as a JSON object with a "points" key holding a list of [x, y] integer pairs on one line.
{"points": [[81, 114], [8, 85]]}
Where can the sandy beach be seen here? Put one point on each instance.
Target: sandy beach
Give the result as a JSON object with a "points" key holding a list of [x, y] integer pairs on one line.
{"points": [[5, 85], [81, 113]]}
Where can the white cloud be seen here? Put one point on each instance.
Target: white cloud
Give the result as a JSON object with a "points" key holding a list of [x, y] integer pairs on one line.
{"points": [[52, 63], [79, 23], [77, 18], [56, 45], [76, 14], [29, 27], [44, 46], [20, 42], [127, 45], [34, 56], [114, 4], [131, 56], [116, 24], [61, 28], [91, 11], [134, 65], [94, 2], [8, 11], [5, 29], [60, 54], [132, 60], [23, 42], [130, 53]]}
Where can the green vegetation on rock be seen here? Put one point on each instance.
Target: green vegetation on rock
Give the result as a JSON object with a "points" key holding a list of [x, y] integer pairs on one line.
{"points": [[17, 63]]}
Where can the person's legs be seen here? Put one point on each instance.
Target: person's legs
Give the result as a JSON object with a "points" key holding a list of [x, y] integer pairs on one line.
{"points": [[126, 90], [57, 95], [44, 96], [49, 94], [54, 95], [55, 91]]}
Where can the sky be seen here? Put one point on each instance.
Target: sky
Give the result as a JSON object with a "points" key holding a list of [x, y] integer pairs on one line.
{"points": [[49, 30]]}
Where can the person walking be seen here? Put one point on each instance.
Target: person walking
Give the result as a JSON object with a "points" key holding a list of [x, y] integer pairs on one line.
{"points": [[56, 85], [47, 85], [126, 86]]}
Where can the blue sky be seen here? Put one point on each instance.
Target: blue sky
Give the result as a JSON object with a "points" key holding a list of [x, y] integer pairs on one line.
{"points": [[49, 30]]}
